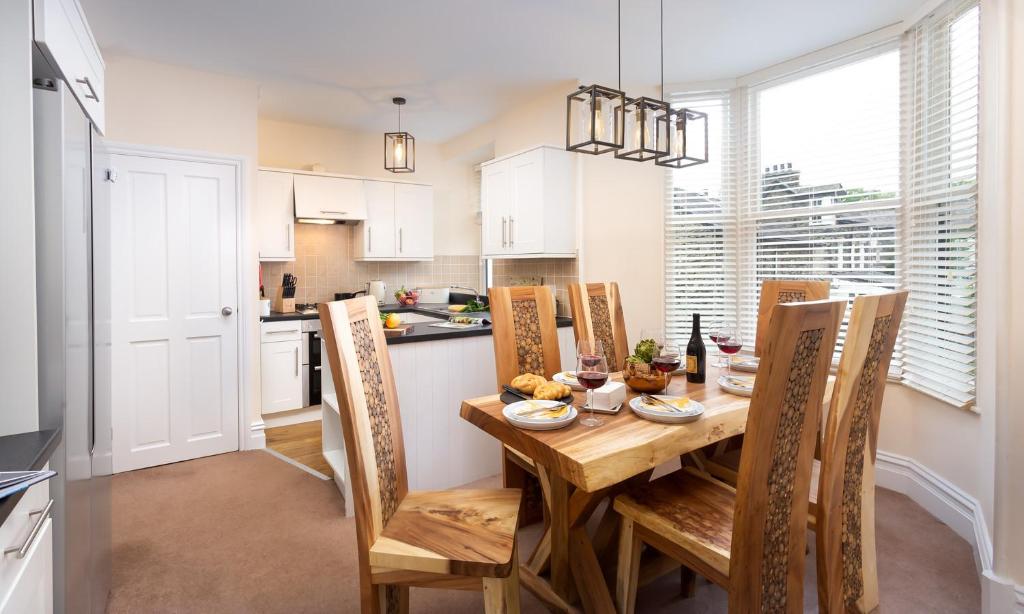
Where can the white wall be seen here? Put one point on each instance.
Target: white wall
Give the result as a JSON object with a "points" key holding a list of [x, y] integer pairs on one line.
{"points": [[161, 105], [18, 367], [294, 145]]}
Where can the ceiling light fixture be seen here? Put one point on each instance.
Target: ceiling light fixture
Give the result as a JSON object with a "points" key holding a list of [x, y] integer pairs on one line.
{"points": [[399, 147], [686, 130], [594, 113], [647, 119]]}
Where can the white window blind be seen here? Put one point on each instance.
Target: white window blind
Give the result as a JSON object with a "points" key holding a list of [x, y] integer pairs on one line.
{"points": [[862, 171], [940, 102]]}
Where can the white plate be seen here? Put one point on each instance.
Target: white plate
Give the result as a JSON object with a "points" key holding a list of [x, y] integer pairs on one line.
{"points": [[569, 379], [740, 385], [692, 411], [537, 424], [747, 364]]}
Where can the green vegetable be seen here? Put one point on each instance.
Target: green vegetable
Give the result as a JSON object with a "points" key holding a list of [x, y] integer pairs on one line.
{"points": [[644, 351], [473, 305]]}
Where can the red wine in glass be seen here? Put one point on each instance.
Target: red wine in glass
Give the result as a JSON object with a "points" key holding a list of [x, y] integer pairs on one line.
{"points": [[590, 360], [666, 363], [729, 346], [592, 379]]}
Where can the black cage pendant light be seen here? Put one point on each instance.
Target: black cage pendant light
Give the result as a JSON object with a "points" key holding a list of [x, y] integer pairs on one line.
{"points": [[646, 120], [594, 113], [399, 147], [687, 139]]}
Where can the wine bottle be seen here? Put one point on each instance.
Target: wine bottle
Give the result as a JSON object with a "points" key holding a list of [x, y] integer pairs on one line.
{"points": [[695, 354]]}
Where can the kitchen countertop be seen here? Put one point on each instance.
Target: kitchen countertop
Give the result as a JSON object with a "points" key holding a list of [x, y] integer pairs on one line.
{"points": [[417, 332], [25, 452]]}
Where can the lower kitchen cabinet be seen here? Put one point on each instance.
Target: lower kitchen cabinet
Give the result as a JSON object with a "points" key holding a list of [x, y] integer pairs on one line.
{"points": [[281, 375], [26, 582]]}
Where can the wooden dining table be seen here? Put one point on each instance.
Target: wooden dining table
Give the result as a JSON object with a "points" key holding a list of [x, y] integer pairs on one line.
{"points": [[578, 467]]}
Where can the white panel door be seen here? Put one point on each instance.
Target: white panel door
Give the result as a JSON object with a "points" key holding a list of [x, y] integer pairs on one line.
{"points": [[379, 228], [495, 204], [414, 220], [174, 337], [526, 224]]}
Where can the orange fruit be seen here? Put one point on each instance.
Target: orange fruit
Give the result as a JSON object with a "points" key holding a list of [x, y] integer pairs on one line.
{"points": [[392, 321]]}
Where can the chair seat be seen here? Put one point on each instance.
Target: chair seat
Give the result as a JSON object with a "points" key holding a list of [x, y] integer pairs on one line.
{"points": [[455, 532], [689, 511]]}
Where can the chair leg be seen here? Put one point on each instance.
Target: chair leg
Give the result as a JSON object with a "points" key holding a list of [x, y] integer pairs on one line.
{"points": [[687, 581], [387, 594], [501, 595], [628, 571]]}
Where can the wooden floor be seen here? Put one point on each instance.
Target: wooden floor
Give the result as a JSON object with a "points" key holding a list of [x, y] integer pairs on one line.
{"points": [[301, 443]]}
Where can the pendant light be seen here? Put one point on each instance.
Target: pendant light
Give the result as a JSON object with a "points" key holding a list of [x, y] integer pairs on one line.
{"points": [[594, 113], [399, 147], [646, 120], [686, 130]]}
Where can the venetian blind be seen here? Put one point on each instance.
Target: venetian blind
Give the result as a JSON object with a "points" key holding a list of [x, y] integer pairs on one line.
{"points": [[940, 105], [700, 227]]}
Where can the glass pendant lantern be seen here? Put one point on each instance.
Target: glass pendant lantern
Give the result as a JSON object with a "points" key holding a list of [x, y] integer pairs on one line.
{"points": [[399, 147], [646, 130], [594, 113], [687, 139]]}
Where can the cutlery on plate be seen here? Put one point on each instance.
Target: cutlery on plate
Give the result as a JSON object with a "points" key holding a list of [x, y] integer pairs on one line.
{"points": [[539, 410], [650, 400]]}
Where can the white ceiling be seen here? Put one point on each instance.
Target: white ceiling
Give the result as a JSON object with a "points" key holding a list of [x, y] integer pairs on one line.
{"points": [[461, 62]]}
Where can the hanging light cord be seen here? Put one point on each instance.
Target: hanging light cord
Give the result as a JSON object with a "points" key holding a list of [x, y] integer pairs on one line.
{"points": [[620, 44], [661, 20], [400, 116]]}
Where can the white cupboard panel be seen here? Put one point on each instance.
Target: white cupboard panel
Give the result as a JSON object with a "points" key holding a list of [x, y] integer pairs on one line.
{"points": [[527, 220], [496, 201], [32, 587], [281, 378], [275, 215], [63, 36], [335, 198], [376, 236], [414, 219]]}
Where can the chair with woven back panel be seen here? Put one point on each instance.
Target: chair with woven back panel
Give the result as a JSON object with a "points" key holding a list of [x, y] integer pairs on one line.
{"points": [[525, 341], [843, 502], [462, 539], [749, 540], [597, 316]]}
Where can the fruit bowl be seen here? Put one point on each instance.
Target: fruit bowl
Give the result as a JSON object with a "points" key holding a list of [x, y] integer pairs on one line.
{"points": [[642, 377], [407, 298]]}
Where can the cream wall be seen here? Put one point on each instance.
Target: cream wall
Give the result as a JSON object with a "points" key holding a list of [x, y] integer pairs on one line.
{"points": [[149, 103], [294, 145]]}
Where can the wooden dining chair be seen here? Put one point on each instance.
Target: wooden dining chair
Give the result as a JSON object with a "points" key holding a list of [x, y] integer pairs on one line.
{"points": [[781, 291], [597, 316], [749, 540], [843, 500], [462, 539], [525, 341]]}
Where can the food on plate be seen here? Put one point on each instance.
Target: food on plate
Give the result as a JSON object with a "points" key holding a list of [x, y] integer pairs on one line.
{"points": [[527, 382], [392, 320], [551, 391], [407, 297]]}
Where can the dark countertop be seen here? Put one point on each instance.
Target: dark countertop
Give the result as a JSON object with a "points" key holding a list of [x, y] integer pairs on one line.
{"points": [[421, 331], [24, 452]]}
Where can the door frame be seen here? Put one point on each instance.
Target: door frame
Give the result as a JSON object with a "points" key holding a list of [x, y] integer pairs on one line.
{"points": [[250, 430]]}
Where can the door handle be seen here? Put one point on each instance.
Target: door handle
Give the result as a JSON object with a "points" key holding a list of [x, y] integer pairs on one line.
{"points": [[92, 91], [22, 550], [226, 311], [296, 362]]}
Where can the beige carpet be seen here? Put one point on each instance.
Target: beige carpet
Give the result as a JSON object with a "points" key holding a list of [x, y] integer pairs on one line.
{"points": [[246, 532]]}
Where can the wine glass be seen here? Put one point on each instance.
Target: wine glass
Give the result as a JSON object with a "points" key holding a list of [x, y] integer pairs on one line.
{"points": [[714, 332], [729, 342], [591, 373], [666, 361]]}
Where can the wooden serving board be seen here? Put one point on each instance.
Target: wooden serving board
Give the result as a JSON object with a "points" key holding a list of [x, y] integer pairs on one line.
{"points": [[397, 331]]}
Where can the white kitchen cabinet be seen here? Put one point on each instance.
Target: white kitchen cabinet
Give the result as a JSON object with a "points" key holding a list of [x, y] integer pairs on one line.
{"points": [[399, 223], [63, 36], [26, 583], [275, 215], [280, 366], [528, 205], [414, 220], [329, 197]]}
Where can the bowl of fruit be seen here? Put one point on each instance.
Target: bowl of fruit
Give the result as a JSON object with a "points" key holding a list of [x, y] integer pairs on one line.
{"points": [[407, 297], [639, 373]]}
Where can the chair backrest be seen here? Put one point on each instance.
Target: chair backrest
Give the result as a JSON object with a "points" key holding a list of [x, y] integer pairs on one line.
{"points": [[597, 316], [769, 531], [525, 332], [368, 404], [845, 531], [779, 292]]}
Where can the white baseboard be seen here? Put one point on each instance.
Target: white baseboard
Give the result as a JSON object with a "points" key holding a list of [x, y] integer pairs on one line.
{"points": [[962, 512], [295, 416], [257, 439]]}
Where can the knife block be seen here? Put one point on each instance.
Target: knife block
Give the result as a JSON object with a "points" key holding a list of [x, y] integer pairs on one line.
{"points": [[282, 304]]}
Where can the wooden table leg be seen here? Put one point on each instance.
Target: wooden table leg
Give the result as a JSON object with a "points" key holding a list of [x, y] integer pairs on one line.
{"points": [[561, 575]]}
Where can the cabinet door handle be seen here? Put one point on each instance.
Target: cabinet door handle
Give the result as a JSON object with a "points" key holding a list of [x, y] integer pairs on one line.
{"points": [[296, 362], [23, 549], [288, 235], [92, 91], [279, 332], [503, 225], [511, 231], [334, 212], [400, 248], [369, 238]]}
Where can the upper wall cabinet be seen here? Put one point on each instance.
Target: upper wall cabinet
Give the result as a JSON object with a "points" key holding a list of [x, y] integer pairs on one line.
{"points": [[328, 197], [275, 215], [399, 223], [63, 36], [528, 205]]}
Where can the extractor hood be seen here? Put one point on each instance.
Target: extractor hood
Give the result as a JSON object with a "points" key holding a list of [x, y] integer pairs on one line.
{"points": [[328, 199]]}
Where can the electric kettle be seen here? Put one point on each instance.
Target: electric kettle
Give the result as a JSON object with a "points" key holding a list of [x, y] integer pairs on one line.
{"points": [[377, 289]]}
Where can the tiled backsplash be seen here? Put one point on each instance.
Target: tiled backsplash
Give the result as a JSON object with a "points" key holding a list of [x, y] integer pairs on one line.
{"points": [[323, 264], [557, 272]]}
